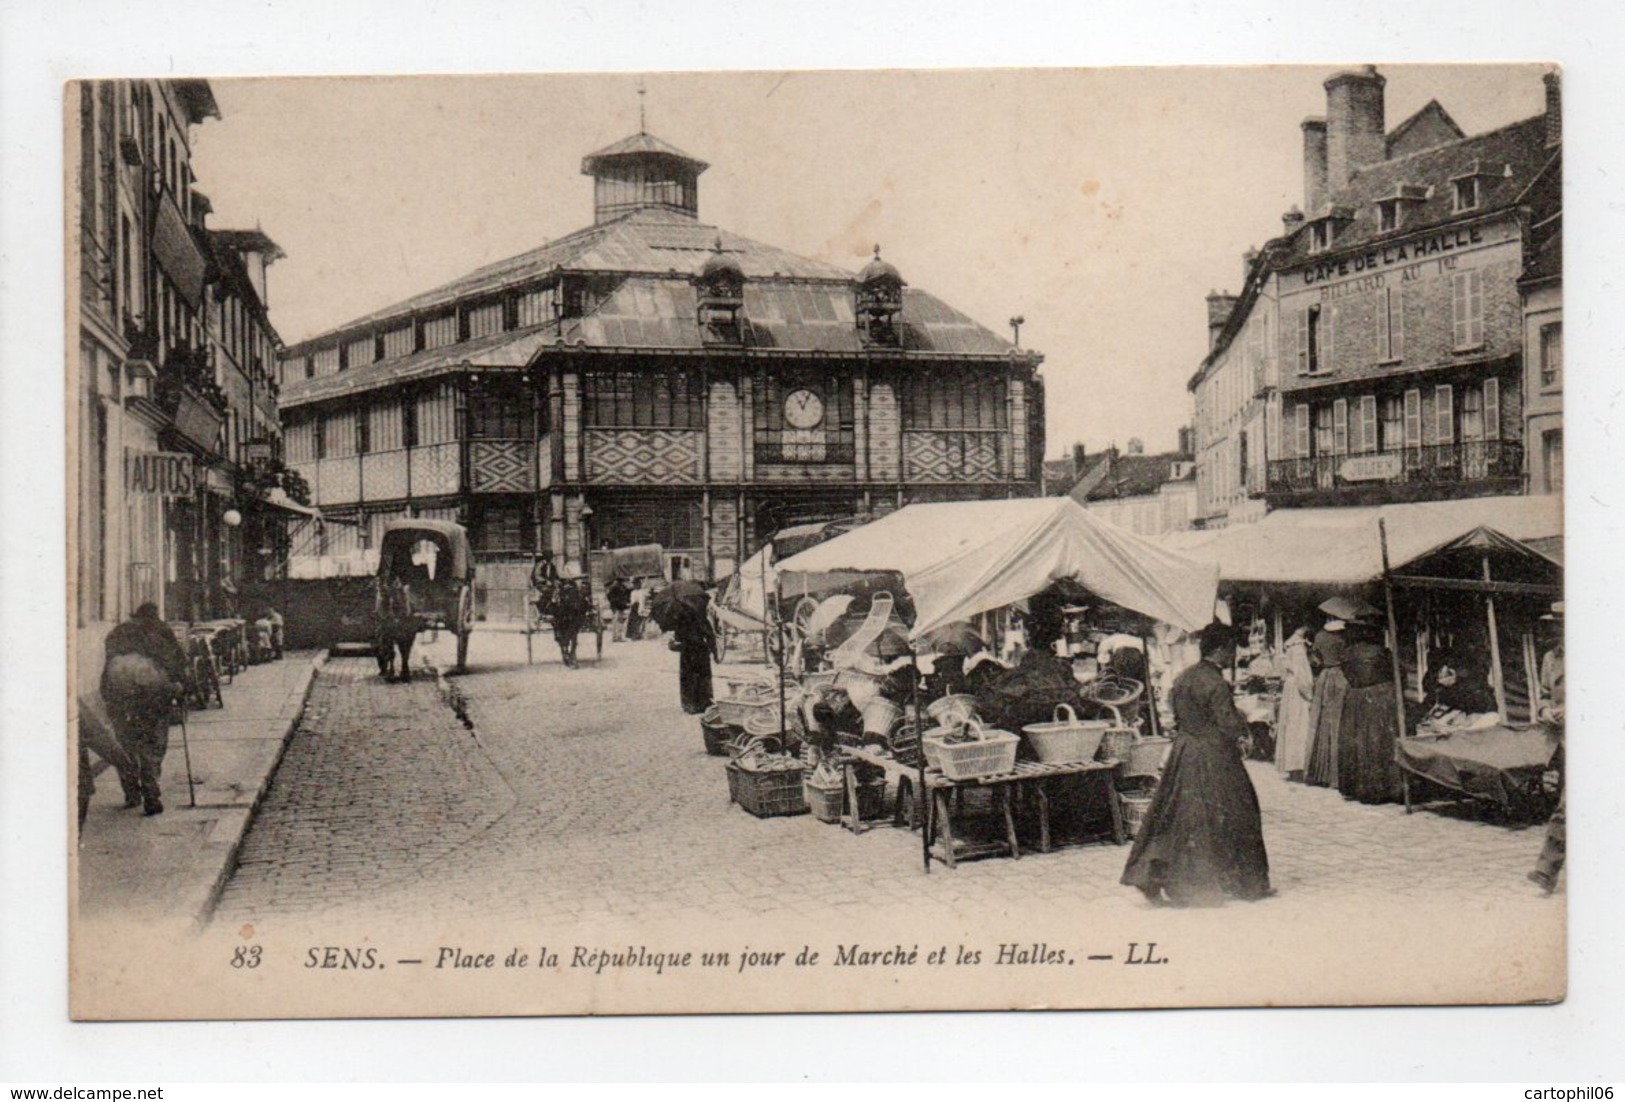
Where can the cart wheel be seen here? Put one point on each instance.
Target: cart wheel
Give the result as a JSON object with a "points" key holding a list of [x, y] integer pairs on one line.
{"points": [[462, 649]]}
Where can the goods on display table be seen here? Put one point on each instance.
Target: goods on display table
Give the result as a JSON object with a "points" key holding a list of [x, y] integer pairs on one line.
{"points": [[924, 662]]}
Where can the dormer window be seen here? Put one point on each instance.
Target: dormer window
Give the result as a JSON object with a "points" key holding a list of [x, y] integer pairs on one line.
{"points": [[879, 301], [1320, 236], [719, 292], [1466, 193], [1388, 216]]}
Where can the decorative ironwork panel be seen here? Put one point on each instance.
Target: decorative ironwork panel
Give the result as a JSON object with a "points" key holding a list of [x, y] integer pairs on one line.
{"points": [[434, 470], [501, 466], [654, 456], [952, 456], [383, 475]]}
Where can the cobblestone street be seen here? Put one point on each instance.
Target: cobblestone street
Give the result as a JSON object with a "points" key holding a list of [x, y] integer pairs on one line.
{"points": [[571, 795]]}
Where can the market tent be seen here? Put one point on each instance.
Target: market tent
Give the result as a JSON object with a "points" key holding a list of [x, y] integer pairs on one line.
{"points": [[1343, 547], [962, 558]]}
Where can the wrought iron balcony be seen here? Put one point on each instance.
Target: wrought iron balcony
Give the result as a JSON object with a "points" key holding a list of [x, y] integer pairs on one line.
{"points": [[1466, 462]]}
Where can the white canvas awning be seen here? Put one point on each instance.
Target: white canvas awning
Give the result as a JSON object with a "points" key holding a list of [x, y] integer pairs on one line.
{"points": [[963, 558], [1343, 547]]}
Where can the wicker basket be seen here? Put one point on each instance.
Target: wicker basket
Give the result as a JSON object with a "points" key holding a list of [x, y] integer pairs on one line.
{"points": [[880, 716], [769, 793], [952, 710], [1067, 739], [740, 710], [717, 734], [1116, 744], [1135, 805], [990, 753], [828, 802], [1146, 756]]}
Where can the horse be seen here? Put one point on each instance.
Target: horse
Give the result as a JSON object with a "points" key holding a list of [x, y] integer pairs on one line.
{"points": [[398, 628], [570, 607]]}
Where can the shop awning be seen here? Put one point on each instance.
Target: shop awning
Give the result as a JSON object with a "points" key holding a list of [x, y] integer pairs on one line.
{"points": [[963, 558], [279, 499], [1342, 546]]}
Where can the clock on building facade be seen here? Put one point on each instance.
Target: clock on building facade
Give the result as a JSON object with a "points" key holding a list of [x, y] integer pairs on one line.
{"points": [[803, 409]]}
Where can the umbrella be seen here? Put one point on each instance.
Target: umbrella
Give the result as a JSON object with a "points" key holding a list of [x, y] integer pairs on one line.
{"points": [[668, 606], [1348, 608], [956, 637]]}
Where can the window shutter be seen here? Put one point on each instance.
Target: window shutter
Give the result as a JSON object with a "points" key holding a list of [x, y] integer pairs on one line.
{"points": [[1303, 340], [1368, 423], [1272, 429], [1340, 427], [1444, 415], [1385, 336], [1301, 415], [1328, 326], [1492, 409], [1458, 309], [1475, 307], [1396, 323], [1413, 418]]}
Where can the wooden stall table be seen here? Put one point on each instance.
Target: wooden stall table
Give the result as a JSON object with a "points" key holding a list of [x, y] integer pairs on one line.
{"points": [[1500, 765], [942, 793]]}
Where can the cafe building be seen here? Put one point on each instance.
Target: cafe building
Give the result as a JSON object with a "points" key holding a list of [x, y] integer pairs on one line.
{"points": [[652, 378], [174, 380], [1377, 352]]}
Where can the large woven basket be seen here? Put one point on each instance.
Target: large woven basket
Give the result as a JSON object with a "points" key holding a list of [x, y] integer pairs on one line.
{"points": [[880, 716], [988, 754], [1146, 757], [1067, 739]]}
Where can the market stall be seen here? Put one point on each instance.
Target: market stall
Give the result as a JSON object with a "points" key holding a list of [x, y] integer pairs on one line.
{"points": [[902, 610]]}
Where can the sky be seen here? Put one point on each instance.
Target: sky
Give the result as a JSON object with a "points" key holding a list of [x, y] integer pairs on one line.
{"points": [[1102, 205]]}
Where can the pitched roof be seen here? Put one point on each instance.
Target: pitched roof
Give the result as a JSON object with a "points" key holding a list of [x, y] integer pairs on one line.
{"points": [[1126, 476], [1429, 127], [1506, 162], [639, 143], [645, 299], [511, 349]]}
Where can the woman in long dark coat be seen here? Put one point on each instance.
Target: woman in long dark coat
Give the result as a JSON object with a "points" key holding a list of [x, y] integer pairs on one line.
{"points": [[1203, 837], [1366, 769], [692, 631]]}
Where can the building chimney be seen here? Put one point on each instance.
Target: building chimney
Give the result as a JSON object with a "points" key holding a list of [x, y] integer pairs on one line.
{"points": [[1554, 108], [1078, 457], [1248, 259], [1291, 222], [1314, 164], [1354, 126], [1187, 440], [1219, 305], [1136, 446]]}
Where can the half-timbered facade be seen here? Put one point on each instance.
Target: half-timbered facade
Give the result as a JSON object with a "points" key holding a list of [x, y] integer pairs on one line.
{"points": [[653, 379]]}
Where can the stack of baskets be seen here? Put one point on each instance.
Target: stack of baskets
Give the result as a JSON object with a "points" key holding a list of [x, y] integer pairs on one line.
{"points": [[825, 792], [764, 781]]}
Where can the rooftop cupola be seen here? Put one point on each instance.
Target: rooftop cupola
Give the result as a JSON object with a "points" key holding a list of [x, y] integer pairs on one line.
{"points": [[879, 299], [643, 173]]}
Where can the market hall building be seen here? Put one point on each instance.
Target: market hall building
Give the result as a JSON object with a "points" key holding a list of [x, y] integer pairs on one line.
{"points": [[653, 379], [1386, 347]]}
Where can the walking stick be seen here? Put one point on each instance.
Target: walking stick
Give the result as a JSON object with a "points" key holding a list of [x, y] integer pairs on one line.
{"points": [[186, 756]]}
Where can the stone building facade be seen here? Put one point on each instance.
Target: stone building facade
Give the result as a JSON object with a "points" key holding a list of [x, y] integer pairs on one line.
{"points": [[174, 381], [654, 379], [1377, 352]]}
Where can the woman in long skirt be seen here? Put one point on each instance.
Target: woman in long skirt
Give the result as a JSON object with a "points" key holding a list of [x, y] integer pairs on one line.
{"points": [[693, 634], [1326, 708], [1203, 838], [1366, 769], [1292, 721]]}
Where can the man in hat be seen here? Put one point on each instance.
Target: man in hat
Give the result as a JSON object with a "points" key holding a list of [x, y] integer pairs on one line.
{"points": [[144, 673], [1555, 850]]}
